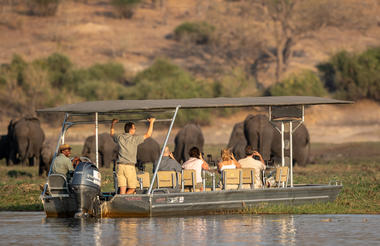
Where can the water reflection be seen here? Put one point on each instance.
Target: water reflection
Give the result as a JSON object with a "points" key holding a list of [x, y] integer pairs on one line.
{"points": [[33, 228]]}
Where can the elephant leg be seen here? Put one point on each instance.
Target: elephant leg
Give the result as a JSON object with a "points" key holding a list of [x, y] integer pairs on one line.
{"points": [[40, 168], [301, 155], [106, 160], [9, 161], [31, 161]]}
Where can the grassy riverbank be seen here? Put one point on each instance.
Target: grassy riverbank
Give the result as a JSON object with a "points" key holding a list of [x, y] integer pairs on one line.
{"points": [[20, 187]]}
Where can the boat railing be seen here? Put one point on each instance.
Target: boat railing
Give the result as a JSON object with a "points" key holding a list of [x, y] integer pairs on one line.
{"points": [[335, 182]]}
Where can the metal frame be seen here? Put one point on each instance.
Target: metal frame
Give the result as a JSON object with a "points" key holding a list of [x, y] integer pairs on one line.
{"points": [[163, 149], [166, 109], [282, 132]]}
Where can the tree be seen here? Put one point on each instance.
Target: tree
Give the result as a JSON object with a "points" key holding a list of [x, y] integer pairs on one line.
{"points": [[261, 34], [284, 23]]}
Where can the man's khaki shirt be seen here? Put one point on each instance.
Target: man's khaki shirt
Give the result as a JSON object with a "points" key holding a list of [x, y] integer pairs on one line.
{"points": [[127, 147], [62, 165]]}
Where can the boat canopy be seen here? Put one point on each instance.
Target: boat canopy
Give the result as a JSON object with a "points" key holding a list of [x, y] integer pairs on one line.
{"points": [[114, 106], [282, 109]]}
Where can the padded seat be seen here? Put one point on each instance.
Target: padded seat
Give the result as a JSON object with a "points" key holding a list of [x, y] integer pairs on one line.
{"points": [[188, 180], [282, 174], [248, 180], [166, 179], [57, 185], [231, 179], [144, 180]]}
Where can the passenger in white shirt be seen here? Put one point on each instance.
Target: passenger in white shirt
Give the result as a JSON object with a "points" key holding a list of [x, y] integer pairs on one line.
{"points": [[196, 163]]}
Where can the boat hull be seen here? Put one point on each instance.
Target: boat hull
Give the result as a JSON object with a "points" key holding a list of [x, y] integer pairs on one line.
{"points": [[197, 203]]}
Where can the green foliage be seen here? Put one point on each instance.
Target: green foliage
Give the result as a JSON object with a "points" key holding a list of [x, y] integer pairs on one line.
{"points": [[196, 32], [125, 8], [164, 80], [59, 67], [43, 7], [17, 68], [353, 76], [48, 81], [108, 71], [100, 90], [305, 83], [235, 83]]}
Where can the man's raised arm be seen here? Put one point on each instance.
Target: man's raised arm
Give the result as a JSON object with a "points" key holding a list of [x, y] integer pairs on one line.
{"points": [[148, 134], [112, 130]]}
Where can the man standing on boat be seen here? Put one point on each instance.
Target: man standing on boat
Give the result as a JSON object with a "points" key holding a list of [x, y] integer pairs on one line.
{"points": [[126, 160]]}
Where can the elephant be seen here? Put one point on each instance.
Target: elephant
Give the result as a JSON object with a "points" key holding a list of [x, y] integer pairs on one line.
{"points": [[238, 142], [148, 151], [46, 157], [261, 135], [107, 149], [4, 147], [25, 140], [189, 136]]}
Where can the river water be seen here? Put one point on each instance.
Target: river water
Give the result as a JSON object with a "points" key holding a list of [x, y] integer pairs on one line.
{"points": [[33, 228]]}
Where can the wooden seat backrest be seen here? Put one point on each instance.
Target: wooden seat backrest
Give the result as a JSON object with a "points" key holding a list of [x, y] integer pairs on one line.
{"points": [[231, 176], [189, 177], [282, 175], [248, 176], [166, 179], [145, 179]]}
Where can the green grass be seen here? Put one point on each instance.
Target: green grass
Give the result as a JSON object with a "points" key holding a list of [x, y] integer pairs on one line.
{"points": [[20, 186]]}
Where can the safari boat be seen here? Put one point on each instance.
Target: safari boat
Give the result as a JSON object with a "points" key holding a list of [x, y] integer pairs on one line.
{"points": [[165, 194]]}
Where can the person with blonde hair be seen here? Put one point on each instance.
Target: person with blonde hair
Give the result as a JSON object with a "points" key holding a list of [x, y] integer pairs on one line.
{"points": [[228, 161]]}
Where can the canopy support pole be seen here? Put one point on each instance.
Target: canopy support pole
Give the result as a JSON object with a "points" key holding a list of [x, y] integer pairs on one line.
{"points": [[286, 131], [163, 149], [61, 138], [96, 140]]}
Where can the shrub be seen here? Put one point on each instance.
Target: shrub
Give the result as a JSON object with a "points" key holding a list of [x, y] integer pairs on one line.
{"points": [[59, 68], [305, 83], [164, 80], [196, 32], [100, 90], [125, 8], [353, 76], [235, 83], [109, 71], [43, 7]]}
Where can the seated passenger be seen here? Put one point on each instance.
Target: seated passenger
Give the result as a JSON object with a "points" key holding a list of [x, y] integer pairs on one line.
{"points": [[228, 161], [62, 163], [251, 162], [168, 162], [196, 163]]}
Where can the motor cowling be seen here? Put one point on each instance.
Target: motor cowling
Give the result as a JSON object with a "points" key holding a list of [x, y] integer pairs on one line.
{"points": [[86, 186]]}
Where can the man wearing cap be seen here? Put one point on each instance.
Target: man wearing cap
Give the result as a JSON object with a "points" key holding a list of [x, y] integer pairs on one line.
{"points": [[126, 159], [62, 163]]}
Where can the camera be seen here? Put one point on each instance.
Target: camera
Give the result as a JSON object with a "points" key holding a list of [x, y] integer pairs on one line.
{"points": [[256, 157]]}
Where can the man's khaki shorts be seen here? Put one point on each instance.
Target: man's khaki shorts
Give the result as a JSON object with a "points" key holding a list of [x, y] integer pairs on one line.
{"points": [[126, 176]]}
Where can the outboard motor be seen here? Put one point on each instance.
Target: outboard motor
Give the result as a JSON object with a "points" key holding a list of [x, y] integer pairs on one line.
{"points": [[86, 186]]}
